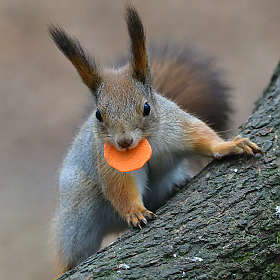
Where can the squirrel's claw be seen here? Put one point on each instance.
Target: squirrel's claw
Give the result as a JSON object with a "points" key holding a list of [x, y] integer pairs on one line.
{"points": [[237, 146], [144, 222], [139, 226], [138, 219]]}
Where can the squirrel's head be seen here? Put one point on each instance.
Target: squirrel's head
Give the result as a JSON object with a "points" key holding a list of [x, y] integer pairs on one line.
{"points": [[124, 97]]}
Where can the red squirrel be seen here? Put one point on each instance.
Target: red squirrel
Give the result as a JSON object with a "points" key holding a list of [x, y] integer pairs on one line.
{"points": [[96, 199]]}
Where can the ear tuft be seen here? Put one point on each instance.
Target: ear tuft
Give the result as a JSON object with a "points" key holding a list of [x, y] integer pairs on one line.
{"points": [[139, 59], [82, 61]]}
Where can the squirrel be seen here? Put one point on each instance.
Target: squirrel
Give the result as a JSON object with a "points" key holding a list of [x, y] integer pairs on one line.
{"points": [[96, 199]]}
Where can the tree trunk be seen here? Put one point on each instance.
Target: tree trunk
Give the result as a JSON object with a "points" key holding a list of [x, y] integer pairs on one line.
{"points": [[223, 225]]}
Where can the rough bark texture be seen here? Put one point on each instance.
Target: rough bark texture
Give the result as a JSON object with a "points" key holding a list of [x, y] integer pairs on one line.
{"points": [[222, 226]]}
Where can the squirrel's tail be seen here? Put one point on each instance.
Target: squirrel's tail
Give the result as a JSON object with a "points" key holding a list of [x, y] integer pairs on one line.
{"points": [[189, 79]]}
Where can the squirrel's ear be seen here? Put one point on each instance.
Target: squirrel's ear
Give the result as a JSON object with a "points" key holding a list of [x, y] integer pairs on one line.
{"points": [[139, 59], [82, 61]]}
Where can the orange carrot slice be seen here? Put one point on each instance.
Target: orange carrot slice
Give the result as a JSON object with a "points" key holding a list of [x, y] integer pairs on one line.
{"points": [[130, 159]]}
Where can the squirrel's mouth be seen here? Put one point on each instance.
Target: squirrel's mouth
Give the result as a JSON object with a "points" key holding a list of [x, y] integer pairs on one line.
{"points": [[126, 144], [129, 160]]}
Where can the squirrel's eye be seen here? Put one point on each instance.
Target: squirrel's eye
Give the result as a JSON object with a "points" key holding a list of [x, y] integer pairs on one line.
{"points": [[146, 110], [98, 115]]}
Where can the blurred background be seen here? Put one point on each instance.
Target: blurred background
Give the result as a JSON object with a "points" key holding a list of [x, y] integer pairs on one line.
{"points": [[42, 100]]}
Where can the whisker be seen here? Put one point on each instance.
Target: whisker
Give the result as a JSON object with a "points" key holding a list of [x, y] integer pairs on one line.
{"points": [[192, 100], [80, 105]]}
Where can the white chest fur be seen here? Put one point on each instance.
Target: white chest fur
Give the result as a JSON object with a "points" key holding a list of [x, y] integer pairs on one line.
{"points": [[156, 179]]}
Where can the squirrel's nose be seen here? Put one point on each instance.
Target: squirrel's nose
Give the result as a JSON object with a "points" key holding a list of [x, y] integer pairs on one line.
{"points": [[125, 143]]}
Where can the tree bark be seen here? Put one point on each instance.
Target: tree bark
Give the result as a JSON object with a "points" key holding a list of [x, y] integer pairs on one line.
{"points": [[223, 225]]}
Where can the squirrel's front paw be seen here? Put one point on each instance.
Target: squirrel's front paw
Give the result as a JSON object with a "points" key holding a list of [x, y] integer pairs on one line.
{"points": [[238, 145], [138, 218]]}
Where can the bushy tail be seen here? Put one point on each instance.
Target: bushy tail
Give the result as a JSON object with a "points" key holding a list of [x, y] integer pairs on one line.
{"points": [[189, 79]]}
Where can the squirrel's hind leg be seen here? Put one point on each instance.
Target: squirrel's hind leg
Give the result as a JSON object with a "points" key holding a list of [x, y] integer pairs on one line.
{"points": [[76, 239], [79, 230]]}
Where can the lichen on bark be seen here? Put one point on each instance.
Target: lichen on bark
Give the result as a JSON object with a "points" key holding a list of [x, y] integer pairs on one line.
{"points": [[223, 225]]}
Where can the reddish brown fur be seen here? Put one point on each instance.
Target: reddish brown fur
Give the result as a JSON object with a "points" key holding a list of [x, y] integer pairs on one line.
{"points": [[184, 75], [139, 60], [88, 185], [202, 138], [82, 61], [205, 142], [123, 193], [89, 76]]}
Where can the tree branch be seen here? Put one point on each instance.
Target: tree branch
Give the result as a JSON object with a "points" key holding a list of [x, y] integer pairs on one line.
{"points": [[223, 225]]}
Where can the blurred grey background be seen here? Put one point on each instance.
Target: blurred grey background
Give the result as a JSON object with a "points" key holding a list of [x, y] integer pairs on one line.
{"points": [[43, 100]]}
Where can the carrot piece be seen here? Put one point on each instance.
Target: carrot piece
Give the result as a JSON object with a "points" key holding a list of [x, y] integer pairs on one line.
{"points": [[130, 159]]}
